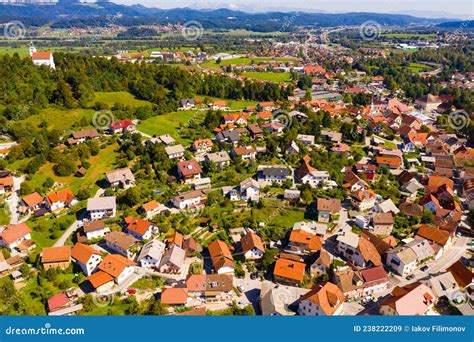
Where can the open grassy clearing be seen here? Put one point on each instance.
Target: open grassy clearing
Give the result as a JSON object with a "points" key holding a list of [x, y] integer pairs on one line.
{"points": [[269, 76], [121, 97], [61, 119], [170, 123]]}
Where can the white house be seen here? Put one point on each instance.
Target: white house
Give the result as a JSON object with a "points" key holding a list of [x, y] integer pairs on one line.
{"points": [[86, 257], [189, 200], [119, 267], [101, 207], [151, 254], [175, 151], [42, 58], [324, 299], [249, 190], [401, 260], [252, 246], [14, 235], [95, 229]]}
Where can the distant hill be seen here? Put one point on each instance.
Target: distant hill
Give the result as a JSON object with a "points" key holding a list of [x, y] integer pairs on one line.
{"points": [[467, 24], [71, 13]]}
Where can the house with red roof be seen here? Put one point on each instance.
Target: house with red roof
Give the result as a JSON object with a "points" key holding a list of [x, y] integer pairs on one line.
{"points": [[42, 58], [324, 299], [252, 246], [189, 170], [59, 200], [122, 126], [414, 299], [16, 236], [139, 228]]}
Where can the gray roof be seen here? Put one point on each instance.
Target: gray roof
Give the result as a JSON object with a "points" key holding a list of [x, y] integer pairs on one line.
{"points": [[349, 238], [276, 171], [154, 249], [218, 157], [174, 149], [120, 175], [101, 203], [175, 255]]}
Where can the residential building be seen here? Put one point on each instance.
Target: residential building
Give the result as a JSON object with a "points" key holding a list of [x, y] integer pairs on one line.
{"points": [[59, 200], [101, 207], [410, 300], [175, 151], [401, 260], [16, 236], [151, 254], [139, 228], [122, 178], [221, 258], [289, 272], [189, 200], [56, 257], [324, 299], [326, 208], [86, 257], [252, 246], [117, 266], [121, 243], [95, 229], [189, 170], [172, 260], [382, 223]]}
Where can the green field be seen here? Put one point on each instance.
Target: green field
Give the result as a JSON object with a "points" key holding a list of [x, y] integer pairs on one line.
{"points": [[269, 76], [122, 97], [232, 104], [248, 60], [169, 123], [56, 118], [419, 67]]}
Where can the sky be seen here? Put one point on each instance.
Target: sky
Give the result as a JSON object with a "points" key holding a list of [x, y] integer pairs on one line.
{"points": [[421, 8]]}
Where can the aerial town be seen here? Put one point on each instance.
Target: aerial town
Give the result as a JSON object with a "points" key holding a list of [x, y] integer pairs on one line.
{"points": [[330, 175]]}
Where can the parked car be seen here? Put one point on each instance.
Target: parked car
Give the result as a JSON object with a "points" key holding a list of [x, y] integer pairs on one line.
{"points": [[410, 277], [131, 291], [241, 288], [424, 268]]}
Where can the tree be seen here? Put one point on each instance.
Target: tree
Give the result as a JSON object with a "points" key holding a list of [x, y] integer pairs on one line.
{"points": [[132, 196], [65, 166]]}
